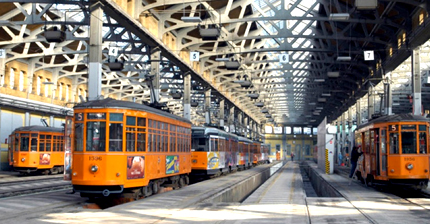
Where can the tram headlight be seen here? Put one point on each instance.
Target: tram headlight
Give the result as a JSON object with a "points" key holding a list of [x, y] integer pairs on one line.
{"points": [[409, 166], [23, 159], [94, 168]]}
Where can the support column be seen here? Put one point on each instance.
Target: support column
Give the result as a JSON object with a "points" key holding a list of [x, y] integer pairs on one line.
{"points": [[30, 72], [239, 123], [388, 97], [416, 83], [187, 96], [350, 131], [232, 124], [358, 112], [155, 73], [95, 54], [221, 114], [370, 103], [207, 106], [27, 119], [247, 127]]}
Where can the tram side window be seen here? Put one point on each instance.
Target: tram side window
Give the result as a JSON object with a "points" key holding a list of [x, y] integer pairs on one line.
{"points": [[115, 137], [79, 137], [149, 142], [409, 140], [24, 144], [141, 142], [394, 143], [96, 136], [48, 143], [33, 144], [199, 144], [41, 143], [17, 143], [423, 143]]}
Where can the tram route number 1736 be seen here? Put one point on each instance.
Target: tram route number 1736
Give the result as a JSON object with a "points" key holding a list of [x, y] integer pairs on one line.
{"points": [[95, 158]]}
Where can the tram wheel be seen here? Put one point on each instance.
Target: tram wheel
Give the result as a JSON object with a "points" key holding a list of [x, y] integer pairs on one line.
{"points": [[147, 191], [187, 180], [181, 182], [368, 181], [155, 187]]}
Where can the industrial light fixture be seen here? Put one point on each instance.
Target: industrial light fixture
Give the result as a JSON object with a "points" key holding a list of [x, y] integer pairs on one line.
{"points": [[319, 80], [339, 16], [48, 83], [343, 58], [232, 65], [55, 35], [222, 59], [325, 94], [253, 96], [322, 99], [312, 104], [333, 74], [366, 4], [264, 111], [259, 104], [319, 108], [194, 104], [210, 33], [189, 19]]}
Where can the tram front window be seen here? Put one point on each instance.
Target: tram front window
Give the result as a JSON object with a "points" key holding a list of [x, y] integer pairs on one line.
{"points": [[24, 144], [79, 137], [394, 143], [199, 144], [96, 136], [409, 141]]}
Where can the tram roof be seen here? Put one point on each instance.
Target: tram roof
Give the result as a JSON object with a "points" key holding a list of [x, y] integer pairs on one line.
{"points": [[112, 103], [395, 118], [39, 128]]}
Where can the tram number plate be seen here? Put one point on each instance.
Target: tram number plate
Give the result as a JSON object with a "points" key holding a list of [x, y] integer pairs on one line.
{"points": [[409, 159], [95, 158]]}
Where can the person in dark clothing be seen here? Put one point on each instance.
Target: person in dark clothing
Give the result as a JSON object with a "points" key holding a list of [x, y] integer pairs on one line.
{"points": [[355, 154]]}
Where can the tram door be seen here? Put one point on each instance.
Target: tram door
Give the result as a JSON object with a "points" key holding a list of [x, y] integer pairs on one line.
{"points": [[373, 153], [378, 152], [383, 158]]}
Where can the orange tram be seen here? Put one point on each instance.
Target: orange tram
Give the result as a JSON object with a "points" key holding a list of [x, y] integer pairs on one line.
{"points": [[122, 147], [395, 151], [37, 149], [215, 152]]}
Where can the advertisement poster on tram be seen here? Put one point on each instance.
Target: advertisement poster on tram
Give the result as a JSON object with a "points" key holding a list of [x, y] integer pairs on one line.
{"points": [[213, 160], [135, 167], [44, 159], [172, 164]]}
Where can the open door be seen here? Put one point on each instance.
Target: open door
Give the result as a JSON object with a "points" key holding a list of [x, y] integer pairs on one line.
{"points": [[383, 157]]}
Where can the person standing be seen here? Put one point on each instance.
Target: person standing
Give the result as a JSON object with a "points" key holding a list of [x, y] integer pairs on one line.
{"points": [[355, 154], [292, 156]]}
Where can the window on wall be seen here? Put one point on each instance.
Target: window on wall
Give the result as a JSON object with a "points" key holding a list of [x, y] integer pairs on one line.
{"points": [[38, 83], [60, 91], [268, 129], [46, 88], [315, 131], [307, 131], [79, 94], [21, 81], [12, 78], [2, 80], [287, 130], [277, 130], [67, 93], [297, 130]]}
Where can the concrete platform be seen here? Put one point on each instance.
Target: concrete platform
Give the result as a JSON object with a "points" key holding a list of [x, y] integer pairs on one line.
{"points": [[281, 199]]}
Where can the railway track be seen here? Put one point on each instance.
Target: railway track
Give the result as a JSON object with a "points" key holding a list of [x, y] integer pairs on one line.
{"points": [[15, 186]]}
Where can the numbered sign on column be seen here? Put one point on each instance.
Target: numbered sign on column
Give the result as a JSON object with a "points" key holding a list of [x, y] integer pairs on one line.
{"points": [[284, 58], [369, 56], [113, 51], [194, 56], [2, 53]]}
